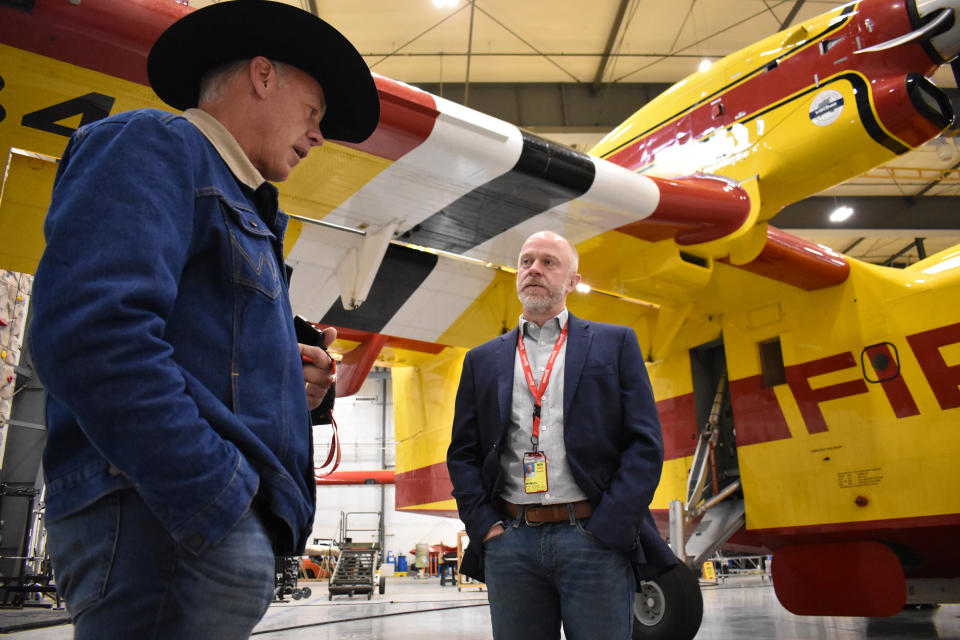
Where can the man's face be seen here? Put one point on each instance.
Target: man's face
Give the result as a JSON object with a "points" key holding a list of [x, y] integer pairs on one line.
{"points": [[296, 107], [545, 274]]}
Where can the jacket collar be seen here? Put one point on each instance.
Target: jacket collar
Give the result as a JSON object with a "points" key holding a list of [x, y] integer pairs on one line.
{"points": [[579, 337], [227, 146]]}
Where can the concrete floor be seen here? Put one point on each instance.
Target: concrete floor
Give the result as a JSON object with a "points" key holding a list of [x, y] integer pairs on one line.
{"points": [[411, 609]]}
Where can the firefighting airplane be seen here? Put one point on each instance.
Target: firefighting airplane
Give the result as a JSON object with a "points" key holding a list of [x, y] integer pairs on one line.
{"points": [[809, 401]]}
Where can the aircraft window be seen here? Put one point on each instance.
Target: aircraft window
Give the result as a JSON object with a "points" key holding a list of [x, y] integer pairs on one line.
{"points": [[771, 363], [826, 45], [885, 360]]}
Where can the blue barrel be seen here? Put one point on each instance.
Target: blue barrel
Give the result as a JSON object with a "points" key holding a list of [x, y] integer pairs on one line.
{"points": [[401, 563]]}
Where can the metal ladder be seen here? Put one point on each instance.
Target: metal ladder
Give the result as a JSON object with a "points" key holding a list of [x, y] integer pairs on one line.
{"points": [[356, 568], [723, 515]]}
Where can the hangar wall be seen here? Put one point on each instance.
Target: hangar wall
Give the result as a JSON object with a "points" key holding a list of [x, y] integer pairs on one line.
{"points": [[365, 423]]}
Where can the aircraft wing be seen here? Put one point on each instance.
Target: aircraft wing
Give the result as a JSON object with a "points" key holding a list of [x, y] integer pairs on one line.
{"points": [[402, 234]]}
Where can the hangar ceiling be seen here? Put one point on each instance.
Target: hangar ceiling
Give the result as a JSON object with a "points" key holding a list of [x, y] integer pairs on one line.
{"points": [[571, 70]]}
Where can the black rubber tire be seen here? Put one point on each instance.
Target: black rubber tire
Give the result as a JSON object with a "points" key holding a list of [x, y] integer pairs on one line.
{"points": [[669, 607], [306, 592], [383, 585]]}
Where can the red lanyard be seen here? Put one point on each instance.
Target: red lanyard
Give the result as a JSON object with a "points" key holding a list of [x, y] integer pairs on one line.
{"points": [[544, 379]]}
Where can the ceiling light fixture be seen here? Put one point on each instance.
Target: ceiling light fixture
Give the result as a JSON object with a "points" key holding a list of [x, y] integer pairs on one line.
{"points": [[704, 64], [841, 213], [445, 4], [583, 287]]}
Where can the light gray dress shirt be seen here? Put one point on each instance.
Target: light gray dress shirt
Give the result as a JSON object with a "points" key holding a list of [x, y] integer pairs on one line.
{"points": [[561, 487]]}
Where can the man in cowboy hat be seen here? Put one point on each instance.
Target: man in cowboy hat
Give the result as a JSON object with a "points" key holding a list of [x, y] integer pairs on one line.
{"points": [[179, 458]]}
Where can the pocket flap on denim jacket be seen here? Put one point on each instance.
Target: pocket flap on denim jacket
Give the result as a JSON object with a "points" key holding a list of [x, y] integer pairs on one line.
{"points": [[253, 262], [247, 219]]}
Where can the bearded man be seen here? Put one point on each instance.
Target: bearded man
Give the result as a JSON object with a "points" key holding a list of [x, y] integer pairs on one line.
{"points": [[554, 474]]}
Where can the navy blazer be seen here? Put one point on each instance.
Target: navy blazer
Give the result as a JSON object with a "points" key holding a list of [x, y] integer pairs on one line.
{"points": [[611, 433]]}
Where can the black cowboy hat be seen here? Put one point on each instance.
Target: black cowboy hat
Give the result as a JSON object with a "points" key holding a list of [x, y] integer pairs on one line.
{"points": [[241, 29]]}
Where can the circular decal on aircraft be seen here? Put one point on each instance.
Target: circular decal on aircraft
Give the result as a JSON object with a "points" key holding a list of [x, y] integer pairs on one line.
{"points": [[826, 107]]}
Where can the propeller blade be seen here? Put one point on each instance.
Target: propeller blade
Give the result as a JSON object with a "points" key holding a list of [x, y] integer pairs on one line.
{"points": [[930, 27]]}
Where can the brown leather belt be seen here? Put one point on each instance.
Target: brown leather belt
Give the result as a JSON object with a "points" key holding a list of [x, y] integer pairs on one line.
{"points": [[548, 513]]}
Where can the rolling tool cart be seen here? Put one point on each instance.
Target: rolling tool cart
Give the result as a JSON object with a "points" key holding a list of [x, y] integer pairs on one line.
{"points": [[357, 569]]}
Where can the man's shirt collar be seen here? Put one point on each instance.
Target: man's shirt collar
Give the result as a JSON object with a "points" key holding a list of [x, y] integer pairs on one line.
{"points": [[227, 146], [561, 319]]}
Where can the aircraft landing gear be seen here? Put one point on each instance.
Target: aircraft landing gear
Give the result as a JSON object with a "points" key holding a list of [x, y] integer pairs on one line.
{"points": [[669, 607]]}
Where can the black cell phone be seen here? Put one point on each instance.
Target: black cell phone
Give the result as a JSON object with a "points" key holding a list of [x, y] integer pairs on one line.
{"points": [[307, 333], [310, 335]]}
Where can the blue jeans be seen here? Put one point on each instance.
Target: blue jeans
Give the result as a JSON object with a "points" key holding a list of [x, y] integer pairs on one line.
{"points": [[538, 575], [123, 576]]}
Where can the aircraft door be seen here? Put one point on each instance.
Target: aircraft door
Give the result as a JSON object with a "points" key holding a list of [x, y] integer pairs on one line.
{"points": [[714, 413]]}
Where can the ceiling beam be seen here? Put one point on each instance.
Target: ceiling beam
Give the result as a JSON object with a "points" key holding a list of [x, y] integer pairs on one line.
{"points": [[466, 83], [872, 213], [611, 39], [853, 244], [943, 175], [792, 15], [917, 243]]}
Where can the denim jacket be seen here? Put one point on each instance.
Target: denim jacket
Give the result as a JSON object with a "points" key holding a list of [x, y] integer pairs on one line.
{"points": [[162, 330]]}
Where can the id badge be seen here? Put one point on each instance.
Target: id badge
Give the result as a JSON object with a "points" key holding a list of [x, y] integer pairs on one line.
{"points": [[534, 472]]}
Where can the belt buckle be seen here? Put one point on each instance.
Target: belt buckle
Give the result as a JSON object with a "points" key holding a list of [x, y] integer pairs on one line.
{"points": [[526, 520]]}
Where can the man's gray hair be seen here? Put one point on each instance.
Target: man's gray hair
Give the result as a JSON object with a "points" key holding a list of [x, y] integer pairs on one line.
{"points": [[216, 80]]}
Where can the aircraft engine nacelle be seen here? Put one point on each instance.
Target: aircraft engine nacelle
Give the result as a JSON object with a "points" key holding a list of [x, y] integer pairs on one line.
{"points": [[912, 107]]}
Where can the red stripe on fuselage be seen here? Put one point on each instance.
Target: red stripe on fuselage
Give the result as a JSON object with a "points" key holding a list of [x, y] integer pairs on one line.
{"points": [[109, 36], [422, 486], [756, 413], [678, 422]]}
